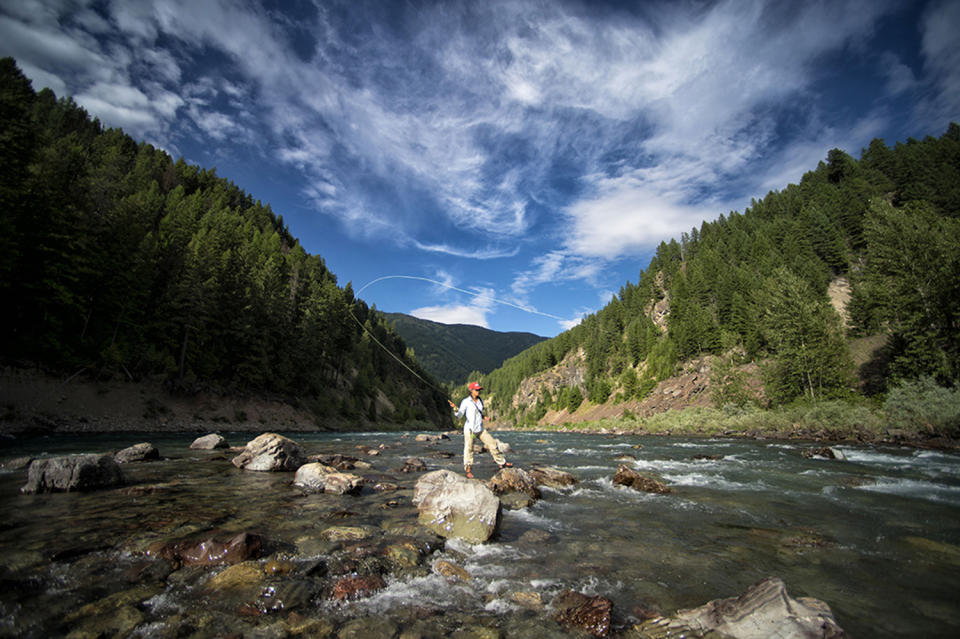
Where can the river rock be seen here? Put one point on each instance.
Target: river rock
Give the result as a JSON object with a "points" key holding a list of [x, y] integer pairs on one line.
{"points": [[137, 453], [454, 506], [18, 463], [514, 480], [552, 477], [357, 587], [424, 437], [764, 610], [209, 442], [590, 614], [414, 465], [270, 452], [318, 478], [212, 550], [628, 477], [827, 452], [72, 473]]}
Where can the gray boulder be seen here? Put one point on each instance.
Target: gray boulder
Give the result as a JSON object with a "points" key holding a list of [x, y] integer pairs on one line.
{"points": [[72, 473], [137, 453], [456, 507], [270, 452], [318, 478], [210, 442], [765, 610]]}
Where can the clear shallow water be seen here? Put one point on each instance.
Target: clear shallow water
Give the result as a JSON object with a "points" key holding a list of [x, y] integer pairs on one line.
{"points": [[877, 537]]}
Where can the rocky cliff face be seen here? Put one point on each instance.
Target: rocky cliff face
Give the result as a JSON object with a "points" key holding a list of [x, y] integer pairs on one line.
{"points": [[691, 387]]}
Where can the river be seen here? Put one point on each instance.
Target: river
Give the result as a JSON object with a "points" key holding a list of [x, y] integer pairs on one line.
{"points": [[877, 536]]}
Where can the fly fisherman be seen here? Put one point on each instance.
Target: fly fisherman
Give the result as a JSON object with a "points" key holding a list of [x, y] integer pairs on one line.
{"points": [[472, 409]]}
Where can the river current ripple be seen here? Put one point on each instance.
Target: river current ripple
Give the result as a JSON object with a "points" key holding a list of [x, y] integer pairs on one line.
{"points": [[877, 537]]}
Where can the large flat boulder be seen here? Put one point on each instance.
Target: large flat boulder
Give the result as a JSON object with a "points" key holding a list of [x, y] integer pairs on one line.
{"points": [[764, 611], [271, 452], [456, 507], [137, 453], [72, 473], [211, 441], [320, 478]]}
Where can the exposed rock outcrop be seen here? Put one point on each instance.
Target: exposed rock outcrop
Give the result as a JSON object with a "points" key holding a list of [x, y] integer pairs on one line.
{"points": [[72, 473], [454, 506], [210, 442], [632, 479], [552, 477], [764, 611], [137, 453], [271, 452], [318, 478]]}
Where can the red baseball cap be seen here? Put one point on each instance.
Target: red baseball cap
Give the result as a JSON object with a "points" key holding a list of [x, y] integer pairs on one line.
{"points": [[475, 386]]}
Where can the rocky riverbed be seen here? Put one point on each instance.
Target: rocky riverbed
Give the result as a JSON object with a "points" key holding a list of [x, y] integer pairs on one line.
{"points": [[594, 536]]}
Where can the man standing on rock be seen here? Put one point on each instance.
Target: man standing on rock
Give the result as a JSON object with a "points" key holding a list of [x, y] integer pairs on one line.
{"points": [[472, 409]]}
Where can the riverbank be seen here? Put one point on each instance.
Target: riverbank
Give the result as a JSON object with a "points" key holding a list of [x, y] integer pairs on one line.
{"points": [[827, 422], [34, 403]]}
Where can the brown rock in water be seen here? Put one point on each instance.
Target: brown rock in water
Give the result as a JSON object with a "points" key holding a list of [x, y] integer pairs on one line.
{"points": [[270, 452], [549, 476], [213, 550], [514, 480], [72, 473], [357, 587], [414, 465], [765, 610], [632, 479], [826, 452], [576, 610]]}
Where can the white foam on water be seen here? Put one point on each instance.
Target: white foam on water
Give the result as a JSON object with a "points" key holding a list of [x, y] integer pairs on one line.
{"points": [[432, 590], [705, 480], [529, 516], [915, 489]]}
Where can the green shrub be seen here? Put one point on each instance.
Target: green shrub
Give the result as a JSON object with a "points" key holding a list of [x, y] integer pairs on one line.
{"points": [[923, 405]]}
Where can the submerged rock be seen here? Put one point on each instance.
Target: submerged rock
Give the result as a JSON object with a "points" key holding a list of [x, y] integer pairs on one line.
{"points": [[137, 453], [209, 442], [632, 479], [764, 610], [590, 614], [212, 550], [72, 473], [318, 478], [270, 452], [454, 506]]}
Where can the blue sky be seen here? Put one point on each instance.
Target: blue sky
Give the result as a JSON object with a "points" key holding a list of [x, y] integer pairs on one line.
{"points": [[517, 162]]}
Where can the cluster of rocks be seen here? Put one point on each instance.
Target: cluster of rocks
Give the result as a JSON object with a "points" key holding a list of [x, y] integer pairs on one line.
{"points": [[449, 506], [79, 473]]}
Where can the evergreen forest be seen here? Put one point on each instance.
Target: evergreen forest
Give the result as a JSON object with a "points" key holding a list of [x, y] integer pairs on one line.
{"points": [[118, 262], [753, 287]]}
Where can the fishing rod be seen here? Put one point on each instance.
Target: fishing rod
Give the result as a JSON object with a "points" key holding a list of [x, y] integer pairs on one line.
{"points": [[445, 285]]}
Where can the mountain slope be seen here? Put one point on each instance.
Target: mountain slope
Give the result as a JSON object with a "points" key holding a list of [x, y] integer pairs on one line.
{"points": [[754, 287], [451, 352]]}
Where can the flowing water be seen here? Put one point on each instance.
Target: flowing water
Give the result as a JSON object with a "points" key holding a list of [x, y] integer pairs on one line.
{"points": [[877, 537]]}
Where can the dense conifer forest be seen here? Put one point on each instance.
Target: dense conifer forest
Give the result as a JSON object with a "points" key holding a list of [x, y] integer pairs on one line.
{"points": [[752, 287], [116, 261]]}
